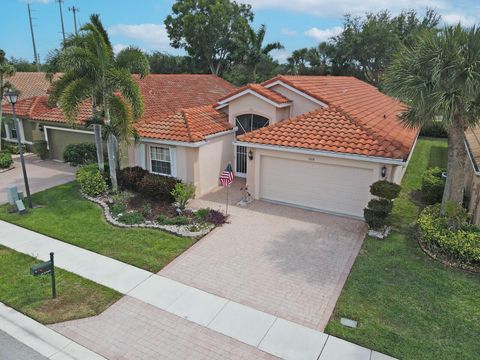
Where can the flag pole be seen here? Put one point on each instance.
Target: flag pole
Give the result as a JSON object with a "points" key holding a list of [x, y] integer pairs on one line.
{"points": [[226, 208]]}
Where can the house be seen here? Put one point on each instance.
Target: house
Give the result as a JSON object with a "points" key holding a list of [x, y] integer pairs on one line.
{"points": [[472, 174], [316, 142]]}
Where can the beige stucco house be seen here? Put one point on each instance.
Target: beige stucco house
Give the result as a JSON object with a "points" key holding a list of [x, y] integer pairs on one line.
{"points": [[315, 142]]}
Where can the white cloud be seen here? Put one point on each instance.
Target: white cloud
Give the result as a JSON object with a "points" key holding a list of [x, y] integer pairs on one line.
{"points": [[280, 55], [119, 47], [323, 34], [153, 36], [288, 32], [455, 18]]}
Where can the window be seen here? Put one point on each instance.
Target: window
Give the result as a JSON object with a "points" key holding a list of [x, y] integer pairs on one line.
{"points": [[10, 131], [13, 133], [161, 161]]}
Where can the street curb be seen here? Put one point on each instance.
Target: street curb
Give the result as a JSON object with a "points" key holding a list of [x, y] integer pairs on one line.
{"points": [[40, 338]]}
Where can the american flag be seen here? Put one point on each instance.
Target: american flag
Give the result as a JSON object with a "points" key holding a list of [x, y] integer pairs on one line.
{"points": [[226, 177]]}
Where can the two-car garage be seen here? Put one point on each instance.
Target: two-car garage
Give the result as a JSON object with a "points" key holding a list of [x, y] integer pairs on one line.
{"points": [[333, 185]]}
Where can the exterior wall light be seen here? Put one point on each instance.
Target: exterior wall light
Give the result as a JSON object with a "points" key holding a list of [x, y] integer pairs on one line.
{"points": [[384, 171], [250, 154]]}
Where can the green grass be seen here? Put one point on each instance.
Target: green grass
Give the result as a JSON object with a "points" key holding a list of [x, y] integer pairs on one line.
{"points": [[67, 216], [76, 297], [408, 305]]}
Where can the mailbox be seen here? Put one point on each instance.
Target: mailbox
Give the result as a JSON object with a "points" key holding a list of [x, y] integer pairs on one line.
{"points": [[42, 268]]}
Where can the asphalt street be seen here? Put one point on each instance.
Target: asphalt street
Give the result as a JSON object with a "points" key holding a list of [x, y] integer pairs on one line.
{"points": [[11, 349]]}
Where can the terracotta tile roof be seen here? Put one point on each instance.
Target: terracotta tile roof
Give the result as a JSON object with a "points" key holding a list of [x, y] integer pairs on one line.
{"points": [[30, 84], [364, 104], [261, 90], [191, 124], [327, 129]]}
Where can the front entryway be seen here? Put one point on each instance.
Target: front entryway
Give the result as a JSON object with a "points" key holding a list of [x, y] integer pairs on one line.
{"points": [[246, 123]]}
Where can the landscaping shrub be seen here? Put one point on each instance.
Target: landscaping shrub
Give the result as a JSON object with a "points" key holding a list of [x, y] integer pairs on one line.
{"points": [[80, 154], [91, 180], [433, 185], [158, 187], [12, 148], [182, 193], [453, 237], [434, 130], [40, 148], [5, 160], [118, 209], [130, 177], [377, 213], [177, 220], [202, 214], [216, 217], [132, 218], [385, 189]]}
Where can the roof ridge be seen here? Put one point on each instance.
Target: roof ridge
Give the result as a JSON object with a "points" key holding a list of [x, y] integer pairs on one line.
{"points": [[299, 88], [193, 136]]}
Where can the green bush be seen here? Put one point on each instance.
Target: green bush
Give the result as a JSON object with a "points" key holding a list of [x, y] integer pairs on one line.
{"points": [[385, 189], [5, 160], [130, 177], [182, 193], [460, 242], [12, 148], [433, 185], [177, 220], [40, 148], [91, 180], [80, 154], [158, 187], [434, 130], [118, 209], [132, 218], [202, 214]]}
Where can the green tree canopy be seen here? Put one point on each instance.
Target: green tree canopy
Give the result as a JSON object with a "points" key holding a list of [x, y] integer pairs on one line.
{"points": [[208, 30], [438, 77]]}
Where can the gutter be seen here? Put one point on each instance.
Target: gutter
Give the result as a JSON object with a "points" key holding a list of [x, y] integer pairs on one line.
{"points": [[332, 154], [196, 144]]}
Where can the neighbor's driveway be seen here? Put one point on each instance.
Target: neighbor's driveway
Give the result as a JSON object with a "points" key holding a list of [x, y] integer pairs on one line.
{"points": [[41, 175], [285, 261]]}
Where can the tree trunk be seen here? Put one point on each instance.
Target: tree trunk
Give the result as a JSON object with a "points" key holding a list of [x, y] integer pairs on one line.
{"points": [[97, 129], [112, 157], [457, 156]]}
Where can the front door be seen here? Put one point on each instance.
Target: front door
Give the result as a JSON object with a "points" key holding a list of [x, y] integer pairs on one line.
{"points": [[246, 123]]}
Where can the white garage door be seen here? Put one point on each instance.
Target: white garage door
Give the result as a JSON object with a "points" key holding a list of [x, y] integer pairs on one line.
{"points": [[332, 188]]}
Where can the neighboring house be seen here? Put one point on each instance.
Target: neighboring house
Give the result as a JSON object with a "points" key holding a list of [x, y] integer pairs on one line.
{"points": [[472, 170], [316, 142]]}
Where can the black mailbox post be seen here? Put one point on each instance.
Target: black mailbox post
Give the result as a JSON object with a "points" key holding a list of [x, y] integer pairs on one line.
{"points": [[47, 267]]}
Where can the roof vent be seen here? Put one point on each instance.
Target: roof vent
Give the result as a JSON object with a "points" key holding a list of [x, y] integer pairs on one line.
{"points": [[384, 116]]}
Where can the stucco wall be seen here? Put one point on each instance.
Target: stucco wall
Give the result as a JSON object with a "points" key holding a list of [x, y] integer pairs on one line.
{"points": [[301, 105], [249, 104], [212, 160]]}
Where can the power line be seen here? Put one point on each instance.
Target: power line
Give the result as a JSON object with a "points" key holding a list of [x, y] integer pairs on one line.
{"points": [[61, 17], [35, 54], [74, 10]]}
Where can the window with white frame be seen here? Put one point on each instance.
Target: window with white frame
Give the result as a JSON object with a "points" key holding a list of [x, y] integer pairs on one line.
{"points": [[10, 131], [161, 160]]}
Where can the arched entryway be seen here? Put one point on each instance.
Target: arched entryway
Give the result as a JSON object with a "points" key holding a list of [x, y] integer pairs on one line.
{"points": [[246, 123]]}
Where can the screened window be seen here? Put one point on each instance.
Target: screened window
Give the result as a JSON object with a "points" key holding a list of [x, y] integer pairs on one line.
{"points": [[13, 132], [161, 160]]}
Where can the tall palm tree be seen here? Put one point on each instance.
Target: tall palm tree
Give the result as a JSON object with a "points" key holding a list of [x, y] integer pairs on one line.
{"points": [[6, 69], [438, 77], [255, 50], [91, 71]]}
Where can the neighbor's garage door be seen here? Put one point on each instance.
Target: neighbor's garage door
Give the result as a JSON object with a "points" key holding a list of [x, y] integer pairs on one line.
{"points": [[59, 139], [332, 188]]}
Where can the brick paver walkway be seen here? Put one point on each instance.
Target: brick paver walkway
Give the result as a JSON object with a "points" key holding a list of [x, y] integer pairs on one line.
{"points": [[131, 329], [285, 261]]}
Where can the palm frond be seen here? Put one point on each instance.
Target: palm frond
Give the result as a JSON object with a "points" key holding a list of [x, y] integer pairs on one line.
{"points": [[134, 60], [121, 80], [121, 124], [72, 97]]}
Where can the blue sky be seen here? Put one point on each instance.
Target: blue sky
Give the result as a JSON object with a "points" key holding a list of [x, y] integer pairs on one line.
{"points": [[295, 23]]}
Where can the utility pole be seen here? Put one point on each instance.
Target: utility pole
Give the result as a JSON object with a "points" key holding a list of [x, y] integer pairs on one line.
{"points": [[74, 10], [37, 59], [61, 17]]}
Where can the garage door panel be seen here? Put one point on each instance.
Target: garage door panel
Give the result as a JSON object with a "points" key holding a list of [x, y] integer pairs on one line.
{"points": [[58, 139], [334, 188]]}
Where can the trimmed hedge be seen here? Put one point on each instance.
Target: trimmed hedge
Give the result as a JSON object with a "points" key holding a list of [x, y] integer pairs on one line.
{"points": [[91, 180], [5, 160], [129, 178], [434, 130], [460, 242], [80, 154], [377, 213], [385, 189], [158, 187], [433, 185]]}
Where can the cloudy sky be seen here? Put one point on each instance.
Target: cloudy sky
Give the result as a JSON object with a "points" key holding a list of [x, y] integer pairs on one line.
{"points": [[295, 23]]}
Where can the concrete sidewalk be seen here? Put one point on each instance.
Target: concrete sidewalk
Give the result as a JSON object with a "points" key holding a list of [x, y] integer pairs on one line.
{"points": [[271, 334], [40, 338]]}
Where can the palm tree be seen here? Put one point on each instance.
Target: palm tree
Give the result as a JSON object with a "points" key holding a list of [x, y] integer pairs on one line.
{"points": [[255, 50], [438, 77], [6, 69], [91, 71]]}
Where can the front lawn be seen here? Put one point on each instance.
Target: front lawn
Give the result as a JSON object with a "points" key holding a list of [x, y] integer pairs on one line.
{"points": [[67, 216], [76, 297], [408, 305]]}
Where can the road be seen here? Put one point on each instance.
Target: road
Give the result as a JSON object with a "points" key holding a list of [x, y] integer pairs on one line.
{"points": [[11, 349]]}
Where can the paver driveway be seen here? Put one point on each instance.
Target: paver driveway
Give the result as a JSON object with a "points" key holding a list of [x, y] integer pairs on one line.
{"points": [[41, 175], [289, 262]]}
